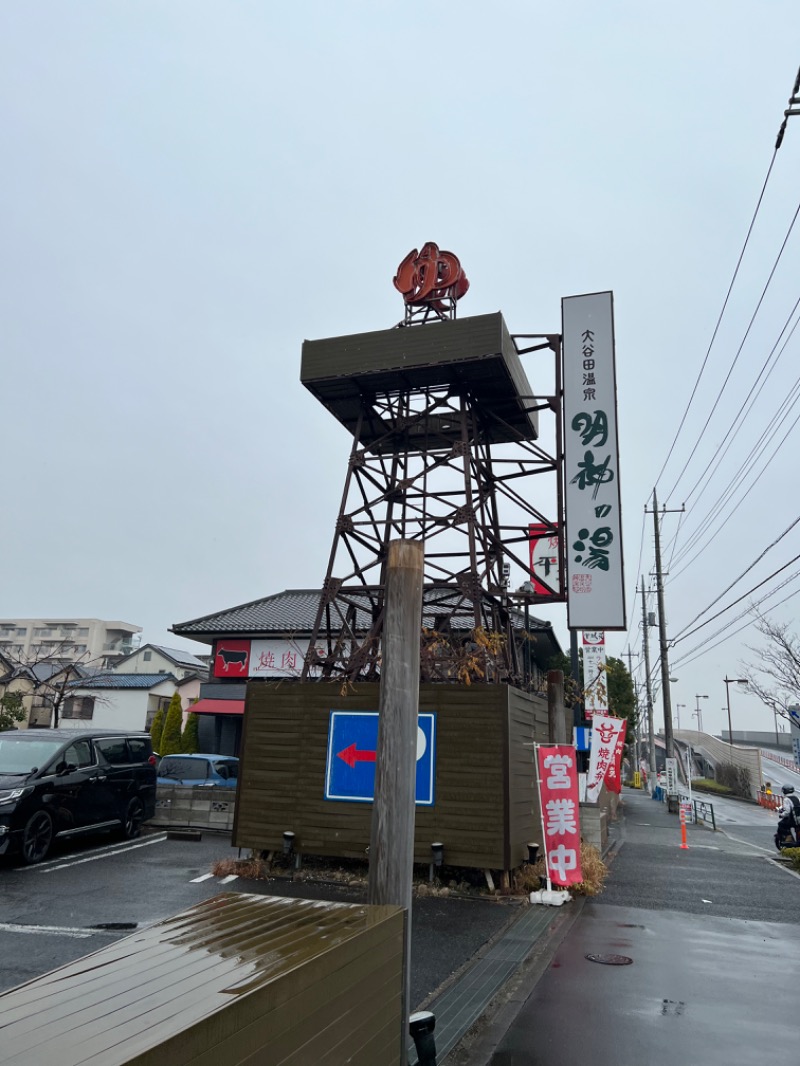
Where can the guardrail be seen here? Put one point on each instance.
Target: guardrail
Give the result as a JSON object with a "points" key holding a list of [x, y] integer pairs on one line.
{"points": [[790, 764], [704, 813]]}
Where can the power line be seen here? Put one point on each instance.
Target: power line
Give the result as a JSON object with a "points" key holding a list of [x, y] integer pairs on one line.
{"points": [[725, 497], [724, 385], [744, 596], [701, 649], [794, 102], [719, 318], [744, 573]]}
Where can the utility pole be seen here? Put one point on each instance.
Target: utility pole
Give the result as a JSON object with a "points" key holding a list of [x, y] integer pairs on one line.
{"points": [[391, 845], [636, 732], [651, 736], [662, 634]]}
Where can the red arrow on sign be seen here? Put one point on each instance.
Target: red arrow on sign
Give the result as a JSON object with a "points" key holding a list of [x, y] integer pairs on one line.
{"points": [[352, 755]]}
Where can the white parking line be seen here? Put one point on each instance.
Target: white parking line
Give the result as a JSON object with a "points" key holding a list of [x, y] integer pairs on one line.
{"points": [[106, 854], [227, 880], [47, 930], [202, 877]]}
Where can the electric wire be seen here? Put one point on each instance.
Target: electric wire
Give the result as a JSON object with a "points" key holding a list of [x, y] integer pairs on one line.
{"points": [[720, 393], [692, 654], [719, 318], [684, 635], [743, 574], [737, 422], [789, 403]]}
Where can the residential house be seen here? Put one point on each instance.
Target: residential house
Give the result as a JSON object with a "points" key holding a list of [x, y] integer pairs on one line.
{"points": [[42, 685], [155, 658], [124, 700]]}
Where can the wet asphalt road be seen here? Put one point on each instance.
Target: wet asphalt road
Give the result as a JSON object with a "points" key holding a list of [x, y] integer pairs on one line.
{"points": [[714, 937], [48, 913]]}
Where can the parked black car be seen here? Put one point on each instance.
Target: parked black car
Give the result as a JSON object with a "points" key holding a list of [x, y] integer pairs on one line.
{"points": [[61, 783]]}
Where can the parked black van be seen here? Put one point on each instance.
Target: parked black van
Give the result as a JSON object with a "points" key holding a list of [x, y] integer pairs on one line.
{"points": [[61, 783]]}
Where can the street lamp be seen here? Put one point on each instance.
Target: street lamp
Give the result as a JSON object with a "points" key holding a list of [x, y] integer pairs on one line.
{"points": [[728, 682], [678, 710], [698, 714]]}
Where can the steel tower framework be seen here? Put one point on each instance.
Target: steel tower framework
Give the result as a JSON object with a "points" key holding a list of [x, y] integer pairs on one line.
{"points": [[445, 450]]}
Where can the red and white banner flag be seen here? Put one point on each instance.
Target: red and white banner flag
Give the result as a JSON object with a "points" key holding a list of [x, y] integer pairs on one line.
{"points": [[543, 559], [595, 681], [605, 731], [558, 795], [613, 773]]}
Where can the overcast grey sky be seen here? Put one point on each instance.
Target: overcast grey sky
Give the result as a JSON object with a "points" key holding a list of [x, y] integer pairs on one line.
{"points": [[191, 188]]}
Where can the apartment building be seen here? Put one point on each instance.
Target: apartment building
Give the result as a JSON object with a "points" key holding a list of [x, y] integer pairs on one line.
{"points": [[87, 640]]}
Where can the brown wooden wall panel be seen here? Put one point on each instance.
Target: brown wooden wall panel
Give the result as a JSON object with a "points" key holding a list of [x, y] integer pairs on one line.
{"points": [[527, 715], [482, 812]]}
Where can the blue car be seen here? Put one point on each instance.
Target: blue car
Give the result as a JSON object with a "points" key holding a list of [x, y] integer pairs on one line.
{"points": [[210, 770]]}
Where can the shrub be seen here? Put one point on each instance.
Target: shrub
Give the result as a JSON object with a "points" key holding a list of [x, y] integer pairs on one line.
{"points": [[594, 871], [705, 784], [737, 778], [171, 737], [157, 729], [11, 710], [190, 740], [794, 855]]}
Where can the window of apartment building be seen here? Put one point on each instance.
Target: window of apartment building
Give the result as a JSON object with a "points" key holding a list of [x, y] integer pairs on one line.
{"points": [[41, 631], [78, 707], [21, 631], [83, 632]]}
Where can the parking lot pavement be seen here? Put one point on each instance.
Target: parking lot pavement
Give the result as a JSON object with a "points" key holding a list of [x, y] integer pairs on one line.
{"points": [[84, 898]]}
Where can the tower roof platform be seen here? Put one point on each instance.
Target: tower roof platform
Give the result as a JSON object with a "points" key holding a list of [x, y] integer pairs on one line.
{"points": [[475, 357]]}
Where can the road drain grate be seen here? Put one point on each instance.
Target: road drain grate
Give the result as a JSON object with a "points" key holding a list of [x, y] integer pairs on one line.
{"points": [[115, 926], [610, 960]]}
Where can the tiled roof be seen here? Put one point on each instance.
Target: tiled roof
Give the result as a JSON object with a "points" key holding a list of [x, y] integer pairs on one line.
{"points": [[181, 657], [294, 611], [122, 681]]}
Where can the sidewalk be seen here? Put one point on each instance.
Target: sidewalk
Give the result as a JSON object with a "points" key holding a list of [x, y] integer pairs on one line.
{"points": [[712, 935]]}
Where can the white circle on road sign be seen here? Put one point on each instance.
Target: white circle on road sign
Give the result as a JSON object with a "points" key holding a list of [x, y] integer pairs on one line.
{"points": [[422, 743]]}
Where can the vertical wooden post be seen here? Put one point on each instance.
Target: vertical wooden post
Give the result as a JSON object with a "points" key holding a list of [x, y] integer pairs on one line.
{"points": [[391, 847], [557, 723]]}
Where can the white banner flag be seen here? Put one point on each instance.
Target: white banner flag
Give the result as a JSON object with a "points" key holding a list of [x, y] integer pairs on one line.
{"points": [[605, 731], [595, 681]]}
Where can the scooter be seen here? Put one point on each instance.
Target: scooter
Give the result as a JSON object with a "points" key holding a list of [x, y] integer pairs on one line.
{"points": [[786, 837]]}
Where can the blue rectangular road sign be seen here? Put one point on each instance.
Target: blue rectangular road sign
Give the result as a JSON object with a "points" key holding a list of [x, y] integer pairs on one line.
{"points": [[352, 748], [582, 738]]}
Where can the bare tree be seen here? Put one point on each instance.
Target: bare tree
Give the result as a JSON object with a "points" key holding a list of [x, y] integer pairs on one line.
{"points": [[774, 676], [49, 677]]}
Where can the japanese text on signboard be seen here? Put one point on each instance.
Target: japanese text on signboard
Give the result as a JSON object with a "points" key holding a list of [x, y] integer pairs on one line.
{"points": [[605, 734], [558, 792], [595, 592]]}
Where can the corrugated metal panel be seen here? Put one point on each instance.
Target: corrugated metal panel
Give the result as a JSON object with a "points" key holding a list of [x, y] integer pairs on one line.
{"points": [[235, 976]]}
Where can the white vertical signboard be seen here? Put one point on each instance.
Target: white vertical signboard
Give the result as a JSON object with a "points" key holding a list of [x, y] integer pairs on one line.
{"points": [[595, 681], [595, 587]]}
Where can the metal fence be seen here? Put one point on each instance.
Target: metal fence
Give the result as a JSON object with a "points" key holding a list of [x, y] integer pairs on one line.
{"points": [[195, 807]]}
